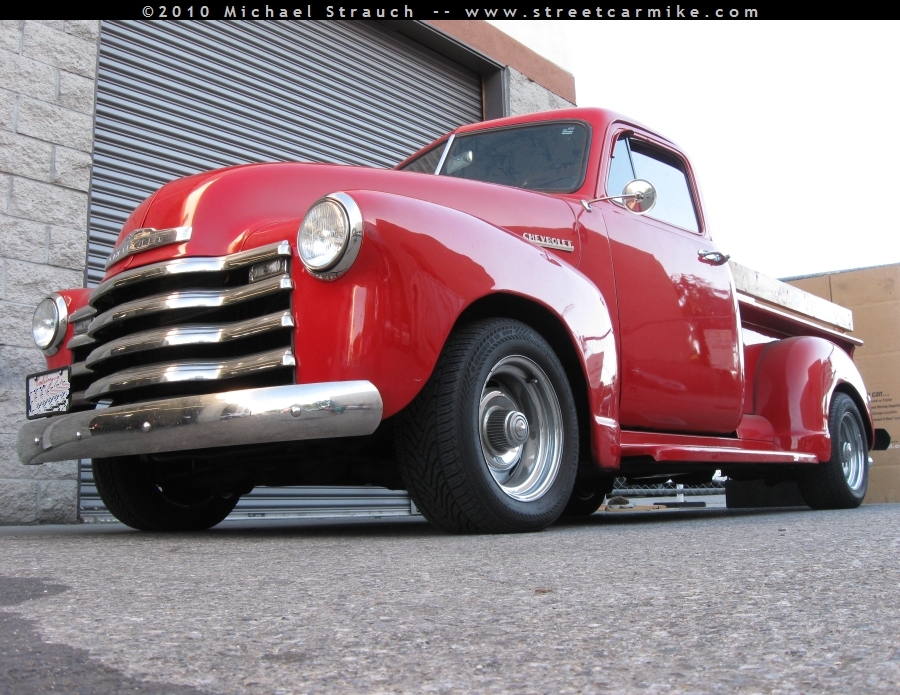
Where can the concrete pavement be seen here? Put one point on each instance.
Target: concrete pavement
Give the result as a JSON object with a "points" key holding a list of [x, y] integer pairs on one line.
{"points": [[664, 602]]}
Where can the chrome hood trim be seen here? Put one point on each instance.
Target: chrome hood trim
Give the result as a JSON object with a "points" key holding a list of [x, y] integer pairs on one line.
{"points": [[234, 418]]}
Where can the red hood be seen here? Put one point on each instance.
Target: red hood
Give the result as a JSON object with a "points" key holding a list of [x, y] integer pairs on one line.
{"points": [[226, 205]]}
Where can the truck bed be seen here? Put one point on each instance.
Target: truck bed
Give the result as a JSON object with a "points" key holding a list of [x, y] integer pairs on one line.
{"points": [[778, 310]]}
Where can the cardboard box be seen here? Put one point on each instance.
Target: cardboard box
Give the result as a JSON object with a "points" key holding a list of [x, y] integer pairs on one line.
{"points": [[882, 376], [874, 296], [852, 288], [884, 483], [879, 325], [819, 285]]}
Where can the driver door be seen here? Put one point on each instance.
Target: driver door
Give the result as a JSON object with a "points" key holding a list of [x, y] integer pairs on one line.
{"points": [[679, 330]]}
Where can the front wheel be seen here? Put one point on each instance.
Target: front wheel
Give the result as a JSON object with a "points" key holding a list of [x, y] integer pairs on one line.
{"points": [[490, 445], [129, 491], [841, 482]]}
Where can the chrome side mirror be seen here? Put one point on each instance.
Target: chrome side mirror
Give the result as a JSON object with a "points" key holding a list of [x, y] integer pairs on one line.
{"points": [[639, 196]]}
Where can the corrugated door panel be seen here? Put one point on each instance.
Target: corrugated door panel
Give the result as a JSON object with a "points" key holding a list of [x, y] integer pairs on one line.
{"points": [[280, 502], [177, 98]]}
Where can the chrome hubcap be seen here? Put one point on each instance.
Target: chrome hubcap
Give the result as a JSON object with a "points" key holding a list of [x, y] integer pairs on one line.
{"points": [[853, 451], [520, 428]]}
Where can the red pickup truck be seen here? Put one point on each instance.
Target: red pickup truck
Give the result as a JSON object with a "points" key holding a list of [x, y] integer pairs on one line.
{"points": [[502, 324]]}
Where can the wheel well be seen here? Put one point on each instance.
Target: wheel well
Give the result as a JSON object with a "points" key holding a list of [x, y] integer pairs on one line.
{"points": [[860, 405], [554, 332]]}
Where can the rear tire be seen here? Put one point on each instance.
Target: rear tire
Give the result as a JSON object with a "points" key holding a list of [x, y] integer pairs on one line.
{"points": [[587, 496], [841, 482], [129, 492], [490, 444]]}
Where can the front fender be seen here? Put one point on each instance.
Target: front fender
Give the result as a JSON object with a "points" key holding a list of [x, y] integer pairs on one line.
{"points": [[420, 266], [75, 299], [795, 382]]}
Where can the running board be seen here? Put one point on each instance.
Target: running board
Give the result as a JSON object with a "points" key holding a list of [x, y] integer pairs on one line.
{"points": [[698, 449]]}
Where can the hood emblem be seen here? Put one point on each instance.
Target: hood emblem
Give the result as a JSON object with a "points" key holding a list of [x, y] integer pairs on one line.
{"points": [[145, 239], [550, 242]]}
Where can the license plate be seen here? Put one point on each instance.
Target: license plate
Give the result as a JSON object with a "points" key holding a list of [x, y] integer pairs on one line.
{"points": [[47, 393]]}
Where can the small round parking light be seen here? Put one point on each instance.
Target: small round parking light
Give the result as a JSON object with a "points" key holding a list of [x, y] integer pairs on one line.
{"points": [[48, 325]]}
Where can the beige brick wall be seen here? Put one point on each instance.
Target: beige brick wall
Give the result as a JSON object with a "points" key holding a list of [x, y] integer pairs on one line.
{"points": [[48, 74]]}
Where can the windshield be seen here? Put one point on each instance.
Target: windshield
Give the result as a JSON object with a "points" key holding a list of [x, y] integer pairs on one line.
{"points": [[541, 157]]}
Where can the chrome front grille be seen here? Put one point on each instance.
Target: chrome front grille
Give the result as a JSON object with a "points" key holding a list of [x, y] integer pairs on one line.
{"points": [[187, 326]]}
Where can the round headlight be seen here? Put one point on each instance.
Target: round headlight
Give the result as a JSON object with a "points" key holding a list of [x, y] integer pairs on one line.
{"points": [[330, 236], [323, 235], [48, 325]]}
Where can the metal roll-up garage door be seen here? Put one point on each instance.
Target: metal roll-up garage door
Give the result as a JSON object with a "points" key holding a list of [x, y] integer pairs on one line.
{"points": [[175, 98]]}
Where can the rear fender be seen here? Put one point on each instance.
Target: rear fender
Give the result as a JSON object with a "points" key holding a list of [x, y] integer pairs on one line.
{"points": [[420, 266], [796, 379]]}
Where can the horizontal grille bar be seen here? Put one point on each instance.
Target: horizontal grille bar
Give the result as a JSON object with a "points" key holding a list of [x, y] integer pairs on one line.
{"points": [[178, 336], [79, 369], [82, 313], [80, 340], [181, 266], [199, 370], [187, 326], [189, 299]]}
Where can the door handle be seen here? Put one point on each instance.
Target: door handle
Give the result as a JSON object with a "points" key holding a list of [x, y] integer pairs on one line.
{"points": [[713, 257]]}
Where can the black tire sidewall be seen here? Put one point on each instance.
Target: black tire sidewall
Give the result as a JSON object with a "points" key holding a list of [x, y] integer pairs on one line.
{"points": [[503, 339], [582, 504], [824, 486], [843, 404], [127, 489]]}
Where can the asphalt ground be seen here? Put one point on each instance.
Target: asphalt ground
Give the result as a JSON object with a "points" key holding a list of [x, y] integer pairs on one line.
{"points": [[710, 601]]}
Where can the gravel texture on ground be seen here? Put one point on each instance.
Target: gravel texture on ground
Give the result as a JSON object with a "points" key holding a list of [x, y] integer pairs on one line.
{"points": [[655, 602]]}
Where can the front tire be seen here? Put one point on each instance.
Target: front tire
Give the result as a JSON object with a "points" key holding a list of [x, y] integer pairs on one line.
{"points": [[127, 488], [490, 444], [841, 482]]}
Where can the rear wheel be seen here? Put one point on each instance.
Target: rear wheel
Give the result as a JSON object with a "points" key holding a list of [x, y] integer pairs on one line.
{"points": [[841, 482], [490, 444], [128, 490]]}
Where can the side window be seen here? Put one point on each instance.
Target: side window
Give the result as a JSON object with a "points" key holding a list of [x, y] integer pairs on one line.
{"points": [[633, 159], [673, 193], [621, 170]]}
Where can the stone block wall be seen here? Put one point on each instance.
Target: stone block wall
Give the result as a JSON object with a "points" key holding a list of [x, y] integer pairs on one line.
{"points": [[48, 74], [527, 96]]}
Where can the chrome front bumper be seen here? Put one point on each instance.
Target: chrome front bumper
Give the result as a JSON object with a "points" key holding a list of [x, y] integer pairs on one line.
{"points": [[252, 416]]}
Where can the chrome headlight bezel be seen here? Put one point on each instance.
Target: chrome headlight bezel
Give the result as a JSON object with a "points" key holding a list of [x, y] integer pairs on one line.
{"points": [[51, 346], [335, 267]]}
